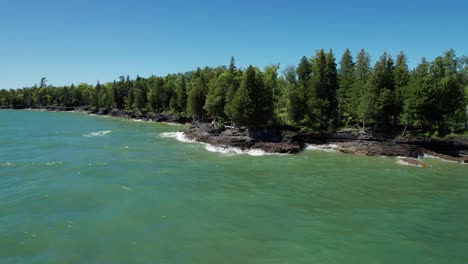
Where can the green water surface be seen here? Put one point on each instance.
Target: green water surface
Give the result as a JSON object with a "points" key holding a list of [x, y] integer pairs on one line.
{"points": [[128, 195]]}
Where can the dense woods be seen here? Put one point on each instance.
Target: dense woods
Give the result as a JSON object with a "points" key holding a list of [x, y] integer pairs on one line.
{"points": [[319, 94]]}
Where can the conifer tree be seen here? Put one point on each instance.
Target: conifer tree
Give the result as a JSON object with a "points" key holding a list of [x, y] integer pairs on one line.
{"points": [[253, 103], [346, 77]]}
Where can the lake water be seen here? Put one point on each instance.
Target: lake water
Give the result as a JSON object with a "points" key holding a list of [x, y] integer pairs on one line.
{"points": [[76, 188]]}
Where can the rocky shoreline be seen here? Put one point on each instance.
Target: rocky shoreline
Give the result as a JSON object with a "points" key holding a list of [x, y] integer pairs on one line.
{"points": [[291, 141], [118, 113]]}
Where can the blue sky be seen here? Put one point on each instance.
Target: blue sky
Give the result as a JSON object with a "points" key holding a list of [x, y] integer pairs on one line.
{"points": [[71, 41]]}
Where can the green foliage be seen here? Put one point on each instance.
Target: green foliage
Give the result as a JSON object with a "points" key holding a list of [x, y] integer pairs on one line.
{"points": [[322, 103], [346, 78], [217, 91], [430, 100], [359, 99], [300, 90], [253, 103], [196, 95]]}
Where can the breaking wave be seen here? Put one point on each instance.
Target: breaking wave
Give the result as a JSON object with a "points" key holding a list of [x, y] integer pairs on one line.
{"points": [[411, 162], [180, 136], [7, 164], [326, 148], [232, 151], [98, 133], [428, 156]]}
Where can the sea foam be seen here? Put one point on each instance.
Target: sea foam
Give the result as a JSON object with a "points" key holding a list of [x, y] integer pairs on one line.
{"points": [[326, 148], [98, 133], [7, 164], [180, 136], [428, 156]]}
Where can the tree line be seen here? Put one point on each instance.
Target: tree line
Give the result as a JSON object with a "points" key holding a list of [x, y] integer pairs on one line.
{"points": [[318, 94]]}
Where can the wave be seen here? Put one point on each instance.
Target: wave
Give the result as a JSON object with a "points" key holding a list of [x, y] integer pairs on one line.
{"points": [[412, 162], [326, 148], [428, 156], [7, 164], [98, 133], [49, 163], [180, 136], [233, 151]]}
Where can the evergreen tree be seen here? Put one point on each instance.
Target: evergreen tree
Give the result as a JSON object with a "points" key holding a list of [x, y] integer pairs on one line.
{"points": [[252, 103], [232, 65], [196, 98], [418, 96], [182, 95], [97, 91], [232, 81], [140, 95], [300, 93], [157, 97], [346, 77], [401, 75], [322, 103], [360, 98], [381, 92], [216, 98]]}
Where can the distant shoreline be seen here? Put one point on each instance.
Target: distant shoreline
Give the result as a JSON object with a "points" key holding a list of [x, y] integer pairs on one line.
{"points": [[275, 140]]}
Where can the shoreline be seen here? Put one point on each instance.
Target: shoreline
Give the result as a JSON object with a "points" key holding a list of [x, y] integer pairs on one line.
{"points": [[283, 141], [408, 149]]}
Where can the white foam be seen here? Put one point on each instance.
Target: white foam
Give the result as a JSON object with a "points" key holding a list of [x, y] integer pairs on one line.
{"points": [[172, 124], [326, 148], [180, 136], [7, 164], [50, 163], [428, 156], [98, 133], [406, 161], [237, 151]]}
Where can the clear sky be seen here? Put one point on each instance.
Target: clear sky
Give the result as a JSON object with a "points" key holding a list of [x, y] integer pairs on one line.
{"points": [[71, 41]]}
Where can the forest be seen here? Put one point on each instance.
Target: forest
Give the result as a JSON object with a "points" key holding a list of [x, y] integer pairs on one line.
{"points": [[318, 94]]}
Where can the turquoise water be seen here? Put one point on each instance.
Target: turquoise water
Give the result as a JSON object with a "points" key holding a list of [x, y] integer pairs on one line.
{"points": [[69, 194]]}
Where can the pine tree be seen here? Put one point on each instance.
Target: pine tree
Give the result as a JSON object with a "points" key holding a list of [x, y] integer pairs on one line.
{"points": [[197, 95], [253, 103], [300, 92], [156, 96], [381, 92], [232, 65], [322, 103], [182, 95], [97, 91], [346, 77], [401, 76], [140, 94], [360, 98]]}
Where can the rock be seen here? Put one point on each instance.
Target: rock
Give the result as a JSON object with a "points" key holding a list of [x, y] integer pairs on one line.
{"points": [[171, 118], [375, 148], [103, 111], [278, 140], [268, 140]]}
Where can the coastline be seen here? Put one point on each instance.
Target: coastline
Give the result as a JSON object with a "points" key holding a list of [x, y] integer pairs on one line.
{"points": [[408, 149], [287, 141]]}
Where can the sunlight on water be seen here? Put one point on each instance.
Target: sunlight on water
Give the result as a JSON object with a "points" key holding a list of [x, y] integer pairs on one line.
{"points": [[139, 195]]}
